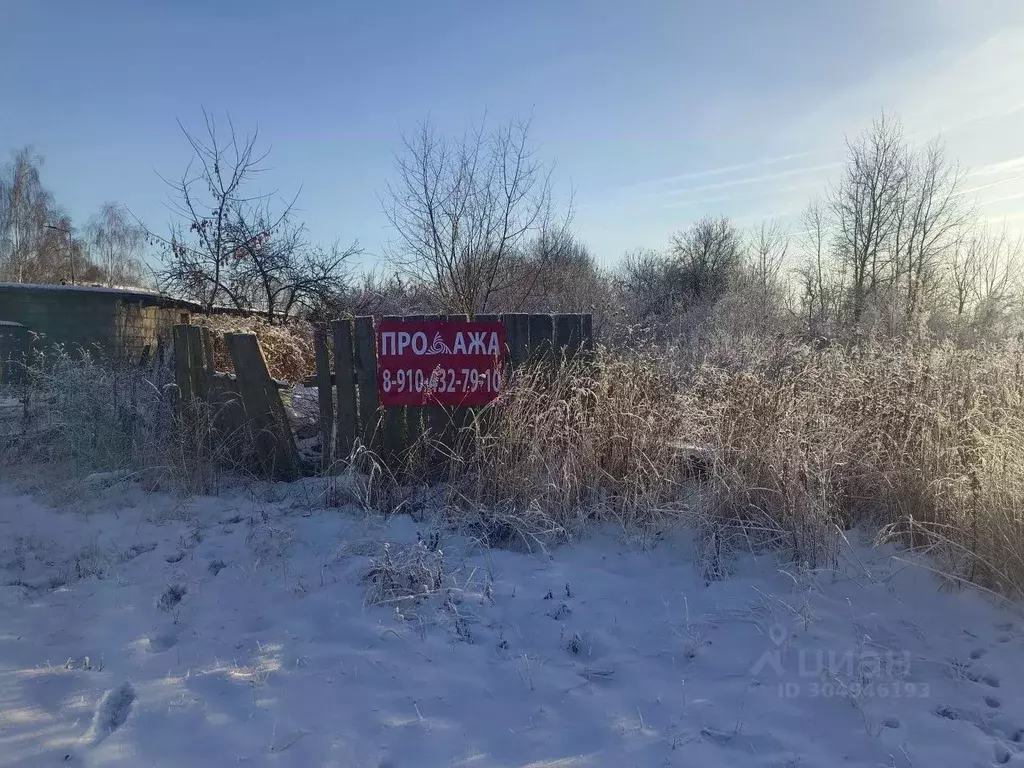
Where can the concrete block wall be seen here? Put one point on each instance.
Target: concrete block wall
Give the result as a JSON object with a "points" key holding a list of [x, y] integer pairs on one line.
{"points": [[62, 317], [108, 323], [13, 349]]}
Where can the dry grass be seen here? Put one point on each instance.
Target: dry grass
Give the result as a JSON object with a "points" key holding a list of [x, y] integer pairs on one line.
{"points": [[114, 423], [784, 444], [926, 442], [773, 444], [287, 348], [599, 440]]}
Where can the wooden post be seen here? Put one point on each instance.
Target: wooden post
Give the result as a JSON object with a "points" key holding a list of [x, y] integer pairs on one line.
{"points": [[182, 364], [476, 415], [264, 410], [207, 340], [197, 362], [542, 331], [587, 331], [325, 398], [444, 422], [568, 336], [414, 414], [394, 422], [345, 383], [517, 338], [228, 413], [435, 416], [366, 380], [458, 417]]}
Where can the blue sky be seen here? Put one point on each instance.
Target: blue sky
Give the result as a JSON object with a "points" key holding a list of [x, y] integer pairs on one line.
{"points": [[655, 112]]}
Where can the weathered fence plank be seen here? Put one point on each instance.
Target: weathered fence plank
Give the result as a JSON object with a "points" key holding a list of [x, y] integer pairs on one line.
{"points": [[458, 417], [414, 414], [197, 363], [366, 381], [345, 384], [391, 432], [568, 336], [325, 397], [264, 411], [587, 331], [182, 363], [444, 422], [517, 338], [227, 414], [435, 416], [207, 339], [394, 421], [542, 332]]}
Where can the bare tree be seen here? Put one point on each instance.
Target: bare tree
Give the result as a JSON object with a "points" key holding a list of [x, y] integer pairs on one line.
{"points": [[964, 270], [464, 210], [865, 206], [998, 281], [199, 251], [708, 256], [650, 284], [820, 280], [768, 248], [759, 284], [264, 247], [62, 257], [315, 277], [238, 246], [24, 210], [930, 216], [116, 243]]}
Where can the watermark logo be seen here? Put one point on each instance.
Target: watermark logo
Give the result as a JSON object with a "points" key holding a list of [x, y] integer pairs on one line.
{"points": [[855, 673]]}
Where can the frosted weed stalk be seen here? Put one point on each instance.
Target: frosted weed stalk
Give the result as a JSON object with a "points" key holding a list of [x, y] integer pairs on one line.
{"points": [[796, 444], [85, 415]]}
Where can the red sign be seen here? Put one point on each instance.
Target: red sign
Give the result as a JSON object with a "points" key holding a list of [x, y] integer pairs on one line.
{"points": [[439, 362]]}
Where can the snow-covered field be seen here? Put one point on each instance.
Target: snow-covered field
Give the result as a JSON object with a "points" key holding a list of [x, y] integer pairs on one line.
{"points": [[144, 630]]}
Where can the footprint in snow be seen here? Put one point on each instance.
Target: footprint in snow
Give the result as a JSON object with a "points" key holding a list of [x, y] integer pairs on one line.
{"points": [[163, 641], [111, 713], [990, 680]]}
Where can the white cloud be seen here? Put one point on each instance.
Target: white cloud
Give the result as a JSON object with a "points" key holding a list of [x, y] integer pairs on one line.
{"points": [[812, 169], [723, 171], [1004, 166]]}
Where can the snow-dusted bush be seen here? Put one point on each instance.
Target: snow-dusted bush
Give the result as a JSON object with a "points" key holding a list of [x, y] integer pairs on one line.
{"points": [[104, 421], [773, 444]]}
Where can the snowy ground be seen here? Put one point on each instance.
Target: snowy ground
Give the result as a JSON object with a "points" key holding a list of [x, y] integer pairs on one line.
{"points": [[144, 630]]}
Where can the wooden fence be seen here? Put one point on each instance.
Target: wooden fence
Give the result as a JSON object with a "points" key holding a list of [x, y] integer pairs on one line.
{"points": [[351, 413], [248, 403], [243, 412]]}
